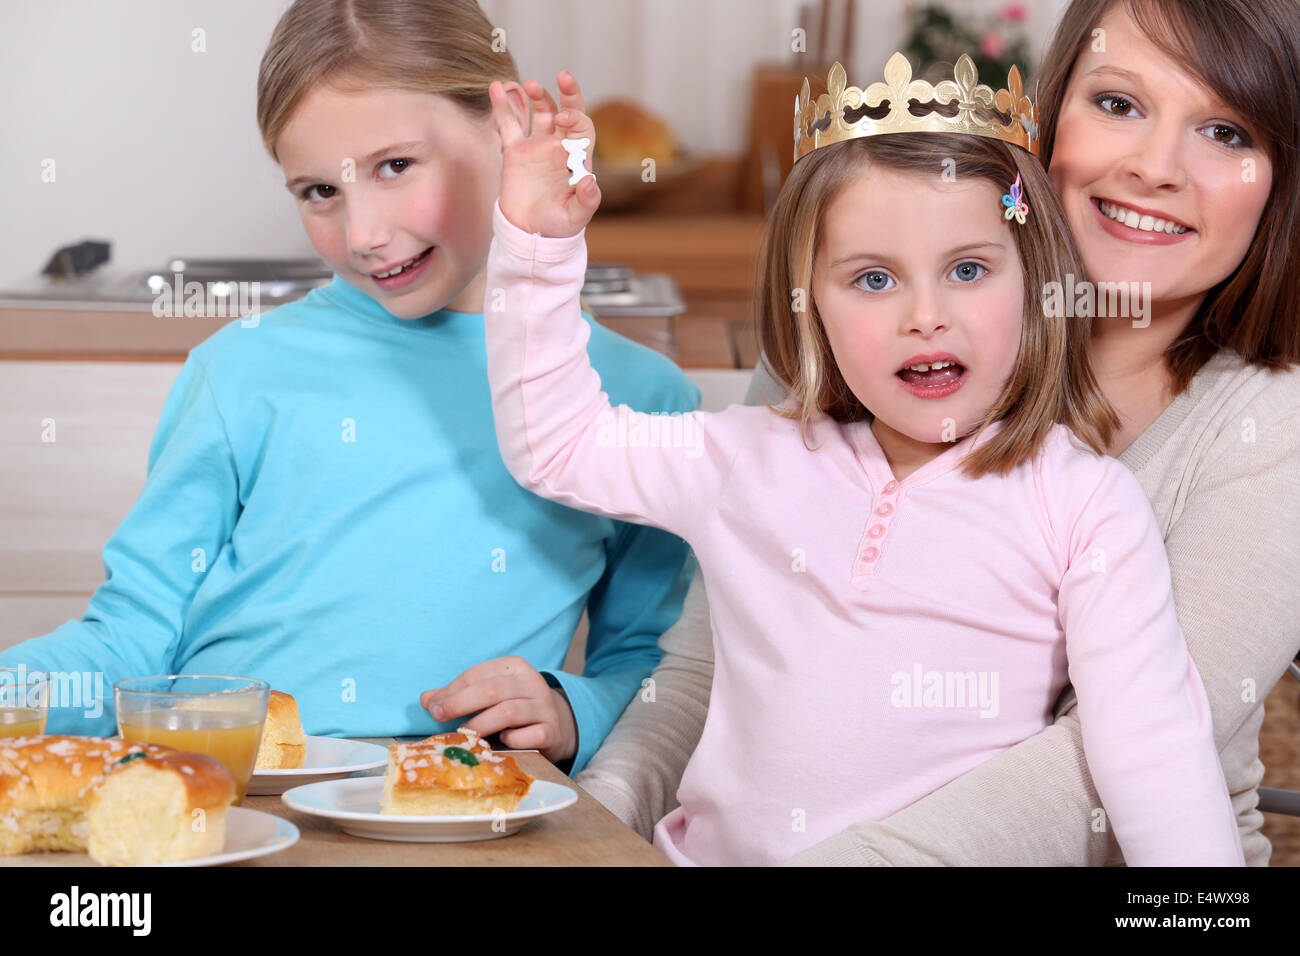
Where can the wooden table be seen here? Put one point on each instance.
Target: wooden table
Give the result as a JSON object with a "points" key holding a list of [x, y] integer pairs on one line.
{"points": [[585, 834]]}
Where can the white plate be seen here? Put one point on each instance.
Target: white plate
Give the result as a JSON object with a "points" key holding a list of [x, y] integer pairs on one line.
{"points": [[249, 833], [328, 758], [354, 806]]}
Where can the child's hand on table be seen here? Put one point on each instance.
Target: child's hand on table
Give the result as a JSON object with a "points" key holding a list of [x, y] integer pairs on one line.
{"points": [[507, 694], [535, 191]]}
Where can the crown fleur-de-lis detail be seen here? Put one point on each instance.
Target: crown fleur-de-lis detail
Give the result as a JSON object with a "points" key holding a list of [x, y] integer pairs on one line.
{"points": [[1012, 99], [822, 122], [899, 89], [966, 90]]}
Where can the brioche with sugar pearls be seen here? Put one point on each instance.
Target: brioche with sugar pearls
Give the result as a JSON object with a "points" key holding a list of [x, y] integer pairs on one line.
{"points": [[451, 774], [122, 803]]}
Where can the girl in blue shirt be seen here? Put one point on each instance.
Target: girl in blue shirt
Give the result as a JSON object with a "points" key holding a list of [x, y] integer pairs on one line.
{"points": [[326, 507]]}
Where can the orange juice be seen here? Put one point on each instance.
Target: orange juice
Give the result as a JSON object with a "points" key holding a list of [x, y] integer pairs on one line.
{"points": [[22, 721], [222, 735]]}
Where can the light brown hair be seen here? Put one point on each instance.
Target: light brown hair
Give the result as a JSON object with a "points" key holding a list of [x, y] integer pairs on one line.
{"points": [[1051, 381], [424, 46], [1247, 52]]}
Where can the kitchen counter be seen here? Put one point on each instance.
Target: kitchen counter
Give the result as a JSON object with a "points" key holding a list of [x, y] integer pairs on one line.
{"points": [[711, 257], [80, 330]]}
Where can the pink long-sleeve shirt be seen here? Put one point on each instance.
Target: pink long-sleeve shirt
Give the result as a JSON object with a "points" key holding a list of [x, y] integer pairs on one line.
{"points": [[874, 638]]}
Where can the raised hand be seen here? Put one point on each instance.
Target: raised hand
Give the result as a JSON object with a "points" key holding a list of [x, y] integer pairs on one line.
{"points": [[535, 192]]}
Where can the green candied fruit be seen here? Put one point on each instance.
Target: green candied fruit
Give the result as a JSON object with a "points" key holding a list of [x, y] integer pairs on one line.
{"points": [[128, 757], [461, 756]]}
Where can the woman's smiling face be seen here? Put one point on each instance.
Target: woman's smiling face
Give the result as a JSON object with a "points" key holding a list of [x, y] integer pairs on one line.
{"points": [[383, 176], [1159, 180]]}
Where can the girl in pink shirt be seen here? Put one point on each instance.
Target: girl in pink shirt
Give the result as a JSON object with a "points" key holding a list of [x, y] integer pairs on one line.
{"points": [[910, 557]]}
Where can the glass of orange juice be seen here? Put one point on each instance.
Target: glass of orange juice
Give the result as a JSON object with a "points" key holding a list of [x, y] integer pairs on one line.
{"points": [[218, 716], [24, 701]]}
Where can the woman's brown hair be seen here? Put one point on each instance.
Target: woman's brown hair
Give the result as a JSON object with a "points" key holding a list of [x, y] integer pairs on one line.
{"points": [[1247, 52], [1051, 381], [425, 46]]}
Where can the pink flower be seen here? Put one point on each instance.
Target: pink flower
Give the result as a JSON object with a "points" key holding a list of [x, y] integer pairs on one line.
{"points": [[992, 45], [1015, 12]]}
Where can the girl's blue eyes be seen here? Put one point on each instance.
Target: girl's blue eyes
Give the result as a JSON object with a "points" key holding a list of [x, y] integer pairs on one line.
{"points": [[306, 193], [1224, 134], [877, 281], [967, 271]]}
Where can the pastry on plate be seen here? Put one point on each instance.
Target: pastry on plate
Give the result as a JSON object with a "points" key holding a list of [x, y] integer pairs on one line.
{"points": [[284, 745], [122, 803], [451, 774]]}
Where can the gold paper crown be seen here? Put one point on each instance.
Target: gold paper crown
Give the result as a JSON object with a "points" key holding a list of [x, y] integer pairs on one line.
{"points": [[823, 122]]}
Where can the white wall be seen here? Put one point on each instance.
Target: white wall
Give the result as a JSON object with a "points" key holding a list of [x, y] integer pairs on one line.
{"points": [[156, 147]]}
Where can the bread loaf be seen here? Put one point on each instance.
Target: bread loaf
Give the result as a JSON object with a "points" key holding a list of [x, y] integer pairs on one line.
{"points": [[123, 803], [284, 745], [626, 133]]}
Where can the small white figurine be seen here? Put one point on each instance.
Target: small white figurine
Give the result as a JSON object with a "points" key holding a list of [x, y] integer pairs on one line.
{"points": [[577, 149]]}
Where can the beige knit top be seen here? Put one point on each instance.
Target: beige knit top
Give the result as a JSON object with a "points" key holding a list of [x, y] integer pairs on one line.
{"points": [[1221, 466]]}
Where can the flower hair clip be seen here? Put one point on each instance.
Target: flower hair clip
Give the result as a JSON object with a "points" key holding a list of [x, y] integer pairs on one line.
{"points": [[1015, 203]]}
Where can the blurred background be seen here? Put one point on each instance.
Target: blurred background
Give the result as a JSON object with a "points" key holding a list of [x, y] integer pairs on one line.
{"points": [[127, 155], [153, 149]]}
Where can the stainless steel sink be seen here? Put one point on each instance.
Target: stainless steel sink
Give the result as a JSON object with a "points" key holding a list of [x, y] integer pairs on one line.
{"points": [[280, 280], [610, 289]]}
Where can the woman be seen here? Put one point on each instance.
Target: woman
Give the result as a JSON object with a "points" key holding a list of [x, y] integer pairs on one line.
{"points": [[1136, 138]]}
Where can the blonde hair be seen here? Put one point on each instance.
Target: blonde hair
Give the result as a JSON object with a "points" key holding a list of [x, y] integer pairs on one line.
{"points": [[1051, 382], [424, 46]]}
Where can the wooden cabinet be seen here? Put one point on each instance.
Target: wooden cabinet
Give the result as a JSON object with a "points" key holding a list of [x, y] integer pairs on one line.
{"points": [[713, 258]]}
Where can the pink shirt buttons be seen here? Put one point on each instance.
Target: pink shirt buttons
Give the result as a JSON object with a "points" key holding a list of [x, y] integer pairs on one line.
{"points": [[891, 487], [870, 554], [885, 509], [876, 530]]}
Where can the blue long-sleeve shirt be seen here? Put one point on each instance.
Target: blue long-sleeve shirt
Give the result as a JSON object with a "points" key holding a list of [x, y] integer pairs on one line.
{"points": [[326, 509]]}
